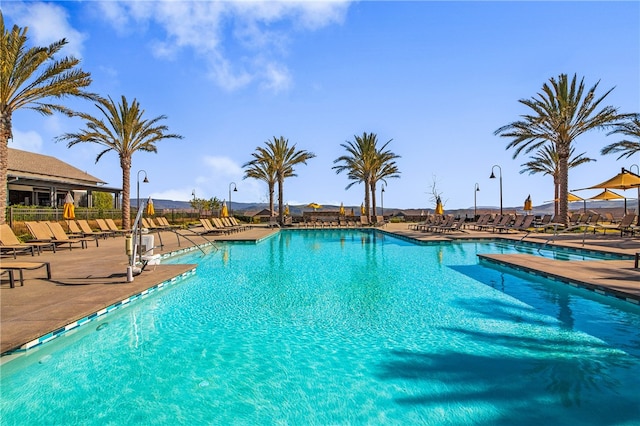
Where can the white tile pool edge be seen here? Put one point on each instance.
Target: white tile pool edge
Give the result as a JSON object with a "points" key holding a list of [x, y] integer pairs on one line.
{"points": [[95, 316]]}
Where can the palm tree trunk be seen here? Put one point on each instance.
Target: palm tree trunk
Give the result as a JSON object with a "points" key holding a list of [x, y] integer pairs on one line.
{"points": [[563, 180], [373, 198], [556, 196], [271, 195], [5, 134], [125, 163], [280, 202], [366, 199]]}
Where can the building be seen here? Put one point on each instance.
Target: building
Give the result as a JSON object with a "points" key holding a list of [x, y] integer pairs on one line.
{"points": [[42, 180]]}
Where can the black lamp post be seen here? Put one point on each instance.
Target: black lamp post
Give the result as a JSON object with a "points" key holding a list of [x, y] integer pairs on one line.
{"points": [[138, 211], [235, 189], [493, 176], [382, 199], [475, 202]]}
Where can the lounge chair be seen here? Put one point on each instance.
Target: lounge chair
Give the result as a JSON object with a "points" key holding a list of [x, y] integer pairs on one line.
{"points": [[517, 222], [102, 224], [87, 231], [523, 225], [436, 227], [364, 221], [244, 227], [114, 228], [625, 226], [164, 222], [74, 229], [457, 225], [10, 267], [60, 237], [210, 228], [380, 221], [482, 221], [10, 243]]}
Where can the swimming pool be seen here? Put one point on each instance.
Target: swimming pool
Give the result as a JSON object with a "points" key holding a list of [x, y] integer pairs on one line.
{"points": [[341, 327]]}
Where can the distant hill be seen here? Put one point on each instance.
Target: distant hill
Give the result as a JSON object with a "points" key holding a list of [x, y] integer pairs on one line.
{"points": [[297, 210]]}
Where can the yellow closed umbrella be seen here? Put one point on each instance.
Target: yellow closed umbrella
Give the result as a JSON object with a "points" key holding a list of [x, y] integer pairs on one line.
{"points": [[528, 205], [68, 212], [150, 210], [225, 210], [286, 210], [362, 211], [341, 209], [439, 208]]}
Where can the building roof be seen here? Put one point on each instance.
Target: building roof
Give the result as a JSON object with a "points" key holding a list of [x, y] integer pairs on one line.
{"points": [[29, 165]]}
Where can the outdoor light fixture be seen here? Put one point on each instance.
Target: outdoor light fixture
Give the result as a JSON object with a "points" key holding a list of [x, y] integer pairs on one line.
{"points": [[475, 202], [235, 189], [138, 207], [382, 199], [138, 187], [493, 176]]}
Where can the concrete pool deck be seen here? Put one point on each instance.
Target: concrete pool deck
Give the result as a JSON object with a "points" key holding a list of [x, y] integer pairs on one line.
{"points": [[84, 281]]}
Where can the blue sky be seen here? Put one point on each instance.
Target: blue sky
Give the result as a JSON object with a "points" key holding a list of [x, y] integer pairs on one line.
{"points": [[436, 77]]}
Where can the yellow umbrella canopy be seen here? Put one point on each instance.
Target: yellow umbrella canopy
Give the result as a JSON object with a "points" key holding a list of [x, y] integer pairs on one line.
{"points": [[572, 197], [341, 209], [607, 195], [225, 210], [623, 180], [314, 205], [528, 205], [150, 210], [68, 212]]}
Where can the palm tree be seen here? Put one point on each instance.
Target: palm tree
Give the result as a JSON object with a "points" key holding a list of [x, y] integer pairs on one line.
{"points": [[263, 169], [283, 158], [359, 163], [125, 132], [546, 162], [384, 167], [626, 148], [29, 78], [560, 114]]}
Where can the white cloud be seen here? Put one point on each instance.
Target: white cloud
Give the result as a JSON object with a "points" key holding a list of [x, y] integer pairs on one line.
{"points": [[223, 167], [26, 141], [47, 23], [257, 29]]}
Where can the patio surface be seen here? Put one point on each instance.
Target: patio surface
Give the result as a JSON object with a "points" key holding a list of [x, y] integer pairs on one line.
{"points": [[85, 281]]}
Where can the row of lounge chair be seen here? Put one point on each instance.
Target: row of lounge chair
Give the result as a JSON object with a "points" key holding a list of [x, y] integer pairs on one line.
{"points": [[342, 222], [225, 225]]}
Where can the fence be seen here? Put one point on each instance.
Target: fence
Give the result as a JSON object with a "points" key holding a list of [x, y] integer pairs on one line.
{"points": [[22, 214]]}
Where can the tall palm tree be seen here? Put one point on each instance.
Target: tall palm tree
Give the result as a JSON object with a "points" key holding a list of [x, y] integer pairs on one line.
{"points": [[263, 169], [123, 130], [384, 167], [283, 158], [359, 163], [561, 113], [626, 148], [546, 162], [30, 78]]}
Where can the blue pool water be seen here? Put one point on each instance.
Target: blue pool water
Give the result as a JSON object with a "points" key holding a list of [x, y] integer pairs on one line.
{"points": [[341, 327]]}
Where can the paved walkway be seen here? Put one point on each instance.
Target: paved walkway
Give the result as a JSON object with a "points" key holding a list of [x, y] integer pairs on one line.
{"points": [[85, 281]]}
